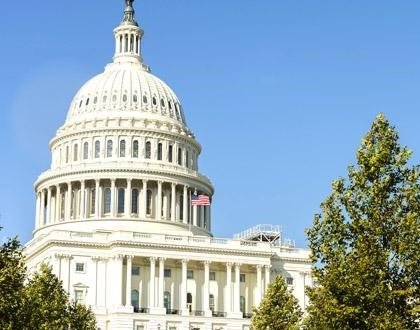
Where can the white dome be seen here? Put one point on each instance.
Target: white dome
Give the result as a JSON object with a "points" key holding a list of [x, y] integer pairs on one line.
{"points": [[125, 89]]}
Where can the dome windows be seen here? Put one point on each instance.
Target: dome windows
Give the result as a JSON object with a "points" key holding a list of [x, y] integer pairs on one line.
{"points": [[95, 100], [154, 101], [136, 149], [104, 99], [85, 150], [107, 200], [122, 148], [109, 145], [162, 103], [80, 103], [145, 99], [125, 98], [87, 101], [148, 150], [159, 151], [97, 149], [135, 98], [114, 98]]}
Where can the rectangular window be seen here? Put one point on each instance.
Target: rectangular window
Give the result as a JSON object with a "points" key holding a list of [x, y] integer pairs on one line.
{"points": [[170, 154], [242, 278], [190, 274], [167, 272], [78, 296], [135, 271], [80, 267], [289, 281], [212, 276], [140, 327], [172, 328]]}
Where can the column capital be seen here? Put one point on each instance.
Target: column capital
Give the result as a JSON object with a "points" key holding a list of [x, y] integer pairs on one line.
{"points": [[129, 256], [206, 262], [99, 258], [238, 264], [267, 266], [184, 261], [229, 264], [144, 181], [113, 180], [259, 267], [152, 259], [128, 179], [118, 257], [162, 259], [63, 256]]}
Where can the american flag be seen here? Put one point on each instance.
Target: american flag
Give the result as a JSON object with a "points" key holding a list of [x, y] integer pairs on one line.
{"points": [[200, 200]]}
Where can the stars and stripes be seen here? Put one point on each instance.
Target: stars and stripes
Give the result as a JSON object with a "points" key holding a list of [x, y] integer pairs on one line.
{"points": [[200, 200]]}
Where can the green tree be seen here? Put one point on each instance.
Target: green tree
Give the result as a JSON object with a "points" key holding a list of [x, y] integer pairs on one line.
{"points": [[365, 242], [278, 310], [41, 303], [12, 277]]}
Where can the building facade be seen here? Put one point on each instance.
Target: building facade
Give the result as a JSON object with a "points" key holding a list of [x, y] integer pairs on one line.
{"points": [[114, 216]]}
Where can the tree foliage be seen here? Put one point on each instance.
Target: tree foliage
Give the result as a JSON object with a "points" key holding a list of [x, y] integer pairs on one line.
{"points": [[365, 242], [38, 302], [278, 310]]}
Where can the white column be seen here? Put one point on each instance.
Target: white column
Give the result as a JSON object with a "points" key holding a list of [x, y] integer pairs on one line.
{"points": [[202, 215], [183, 294], [195, 215], [118, 280], [258, 293], [159, 201], [127, 199], [205, 301], [152, 283], [228, 293], [95, 288], [97, 199], [37, 208], [68, 202], [49, 205], [42, 213], [144, 200], [207, 215], [173, 201], [267, 276], [128, 281], [185, 205], [161, 281], [82, 200], [113, 198], [57, 203], [236, 305]]}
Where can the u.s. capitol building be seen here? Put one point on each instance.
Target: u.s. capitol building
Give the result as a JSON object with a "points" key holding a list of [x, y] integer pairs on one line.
{"points": [[114, 213]]}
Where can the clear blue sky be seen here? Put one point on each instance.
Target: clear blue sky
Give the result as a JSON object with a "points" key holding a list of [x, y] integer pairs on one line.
{"points": [[279, 93]]}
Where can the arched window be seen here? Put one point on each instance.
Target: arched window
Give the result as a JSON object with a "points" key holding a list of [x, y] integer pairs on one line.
{"points": [[154, 100], [167, 300], [85, 150], [122, 148], [135, 300], [179, 156], [159, 151], [92, 200], [135, 98], [107, 200], [144, 99], [242, 304], [135, 149], [187, 158], [181, 207], [75, 152], [170, 152], [109, 148], [121, 198], [97, 149], [67, 154], [148, 154], [135, 201], [149, 202], [189, 302], [211, 302]]}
